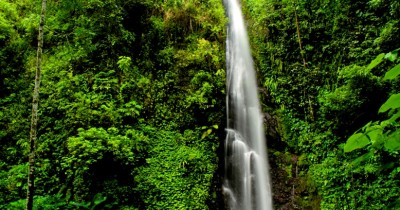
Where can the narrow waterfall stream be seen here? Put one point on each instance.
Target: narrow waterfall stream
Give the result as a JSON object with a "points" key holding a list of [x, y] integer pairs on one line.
{"points": [[246, 184]]}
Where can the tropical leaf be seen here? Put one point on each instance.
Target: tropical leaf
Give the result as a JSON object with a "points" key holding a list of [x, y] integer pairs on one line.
{"points": [[392, 73], [392, 103], [394, 117], [376, 61], [374, 133], [356, 141], [393, 143]]}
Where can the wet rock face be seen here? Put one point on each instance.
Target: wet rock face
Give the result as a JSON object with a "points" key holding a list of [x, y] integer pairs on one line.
{"points": [[280, 187], [271, 125], [282, 181], [291, 187]]}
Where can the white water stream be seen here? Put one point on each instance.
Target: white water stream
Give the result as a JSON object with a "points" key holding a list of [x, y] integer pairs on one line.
{"points": [[246, 185]]}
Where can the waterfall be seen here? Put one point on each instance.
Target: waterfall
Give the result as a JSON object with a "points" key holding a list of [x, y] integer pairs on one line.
{"points": [[246, 184]]}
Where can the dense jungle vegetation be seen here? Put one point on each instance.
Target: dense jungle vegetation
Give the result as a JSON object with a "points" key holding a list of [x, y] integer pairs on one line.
{"points": [[132, 102]]}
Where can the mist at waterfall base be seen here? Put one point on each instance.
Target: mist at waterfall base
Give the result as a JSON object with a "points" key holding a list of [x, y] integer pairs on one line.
{"points": [[246, 183]]}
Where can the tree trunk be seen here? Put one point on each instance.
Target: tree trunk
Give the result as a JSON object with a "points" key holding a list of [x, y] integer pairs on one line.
{"points": [[34, 120], [298, 35]]}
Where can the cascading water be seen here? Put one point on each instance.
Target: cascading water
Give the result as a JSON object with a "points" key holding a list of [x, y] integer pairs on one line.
{"points": [[246, 185]]}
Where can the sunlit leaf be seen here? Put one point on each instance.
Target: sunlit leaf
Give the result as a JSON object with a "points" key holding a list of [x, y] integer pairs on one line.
{"points": [[392, 73], [392, 103], [356, 141], [393, 142], [394, 117], [374, 133], [376, 61], [392, 56]]}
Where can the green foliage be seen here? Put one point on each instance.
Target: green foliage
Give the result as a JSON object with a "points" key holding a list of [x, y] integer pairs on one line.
{"points": [[385, 132], [344, 184], [12, 181], [56, 202], [177, 173], [132, 99], [124, 63], [97, 200], [380, 139], [114, 73], [96, 155], [41, 203], [339, 90]]}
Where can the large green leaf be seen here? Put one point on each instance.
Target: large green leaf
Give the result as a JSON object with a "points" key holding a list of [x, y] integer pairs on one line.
{"points": [[376, 61], [374, 133], [392, 103], [356, 141], [393, 142], [392, 73]]}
